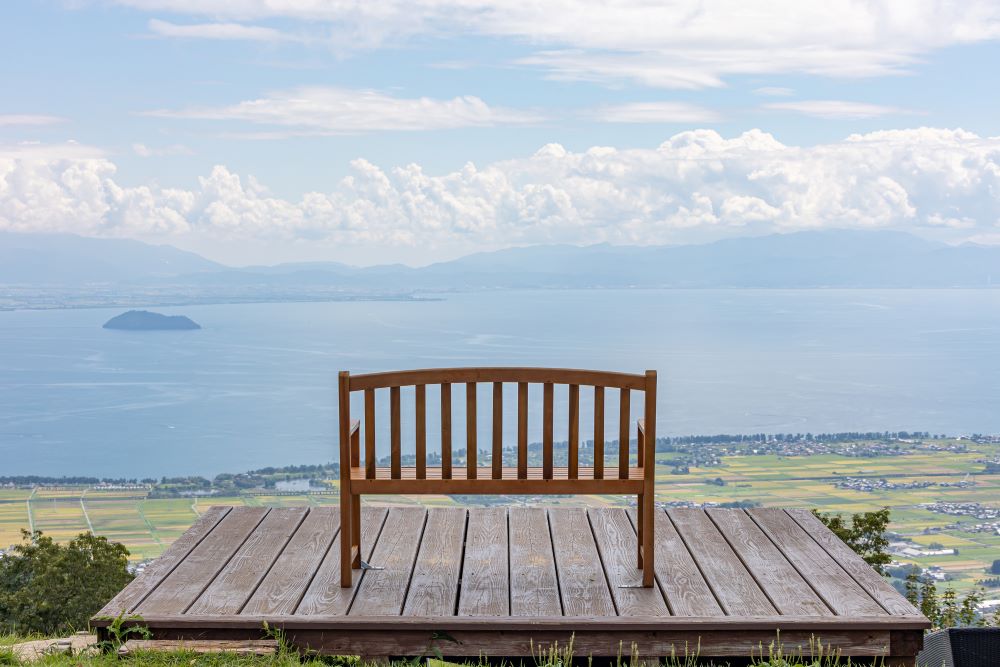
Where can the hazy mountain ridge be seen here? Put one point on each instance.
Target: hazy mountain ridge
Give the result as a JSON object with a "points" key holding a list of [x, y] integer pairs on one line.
{"points": [[831, 258]]}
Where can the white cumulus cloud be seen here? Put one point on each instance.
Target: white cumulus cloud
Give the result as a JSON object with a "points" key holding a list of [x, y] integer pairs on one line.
{"points": [[694, 183]]}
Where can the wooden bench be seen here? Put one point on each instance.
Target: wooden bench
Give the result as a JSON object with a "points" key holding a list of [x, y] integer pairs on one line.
{"points": [[357, 479]]}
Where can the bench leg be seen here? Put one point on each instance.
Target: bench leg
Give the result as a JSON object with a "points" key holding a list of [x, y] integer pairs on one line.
{"points": [[646, 539], [346, 533], [638, 527], [356, 529]]}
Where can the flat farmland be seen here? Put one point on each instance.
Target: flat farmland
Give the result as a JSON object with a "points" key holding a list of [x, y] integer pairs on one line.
{"points": [[147, 525]]}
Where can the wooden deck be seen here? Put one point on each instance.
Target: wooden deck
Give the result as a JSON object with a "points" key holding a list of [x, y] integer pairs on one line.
{"points": [[506, 581]]}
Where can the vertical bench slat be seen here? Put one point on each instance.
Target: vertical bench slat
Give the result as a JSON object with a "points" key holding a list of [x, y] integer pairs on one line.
{"points": [[445, 430], [497, 430], [396, 453], [574, 431], [471, 446], [522, 430], [421, 431], [547, 431], [623, 419], [598, 432], [370, 433]]}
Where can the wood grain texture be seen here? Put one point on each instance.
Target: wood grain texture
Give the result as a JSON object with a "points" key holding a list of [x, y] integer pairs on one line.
{"points": [[573, 431], [497, 458], [598, 432], [286, 583], [616, 542], [192, 575], [381, 592], [395, 428], [325, 596], [485, 587], [434, 584], [488, 486], [653, 642], [528, 375], [582, 583], [774, 574], [420, 429], [871, 581], [534, 590], [734, 587], [239, 579], [471, 441], [624, 419], [522, 430], [684, 588], [547, 419], [371, 460], [445, 430], [159, 569], [840, 592]]}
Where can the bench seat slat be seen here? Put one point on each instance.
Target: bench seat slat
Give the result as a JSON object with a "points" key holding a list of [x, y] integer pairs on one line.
{"points": [[508, 472]]}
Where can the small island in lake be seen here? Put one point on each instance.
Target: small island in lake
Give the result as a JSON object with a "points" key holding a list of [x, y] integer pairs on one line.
{"points": [[143, 320]]}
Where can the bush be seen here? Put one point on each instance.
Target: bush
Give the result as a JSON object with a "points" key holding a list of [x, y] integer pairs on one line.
{"points": [[51, 588], [865, 535]]}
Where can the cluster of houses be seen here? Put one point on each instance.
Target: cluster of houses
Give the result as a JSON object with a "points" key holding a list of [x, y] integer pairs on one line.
{"points": [[971, 510], [872, 484]]}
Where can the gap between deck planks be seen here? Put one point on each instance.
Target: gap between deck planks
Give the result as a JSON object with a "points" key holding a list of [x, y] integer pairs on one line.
{"points": [[519, 562]]}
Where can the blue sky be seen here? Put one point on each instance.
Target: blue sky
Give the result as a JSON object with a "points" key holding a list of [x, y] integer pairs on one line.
{"points": [[253, 130]]}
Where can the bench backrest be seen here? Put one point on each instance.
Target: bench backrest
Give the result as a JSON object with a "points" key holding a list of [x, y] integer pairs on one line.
{"points": [[625, 383]]}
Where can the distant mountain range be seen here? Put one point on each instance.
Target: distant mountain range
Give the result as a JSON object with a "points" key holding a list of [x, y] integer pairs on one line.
{"points": [[831, 258]]}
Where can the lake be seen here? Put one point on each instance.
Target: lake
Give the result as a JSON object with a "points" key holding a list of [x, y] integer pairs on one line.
{"points": [[257, 385]]}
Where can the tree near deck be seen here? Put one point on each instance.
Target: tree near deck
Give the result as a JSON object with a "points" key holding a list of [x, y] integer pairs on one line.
{"points": [[865, 535], [47, 587]]}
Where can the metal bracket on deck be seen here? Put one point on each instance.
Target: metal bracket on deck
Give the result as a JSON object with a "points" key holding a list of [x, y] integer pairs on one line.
{"points": [[366, 566], [631, 586]]}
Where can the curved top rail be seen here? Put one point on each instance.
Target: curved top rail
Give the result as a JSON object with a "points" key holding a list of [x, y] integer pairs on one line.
{"points": [[498, 374]]}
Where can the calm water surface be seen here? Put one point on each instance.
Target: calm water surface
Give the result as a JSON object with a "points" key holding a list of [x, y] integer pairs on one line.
{"points": [[257, 385]]}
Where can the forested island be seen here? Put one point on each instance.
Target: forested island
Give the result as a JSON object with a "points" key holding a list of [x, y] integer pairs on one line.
{"points": [[144, 320]]}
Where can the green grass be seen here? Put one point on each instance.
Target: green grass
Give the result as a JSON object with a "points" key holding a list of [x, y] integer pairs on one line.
{"points": [[288, 657]]}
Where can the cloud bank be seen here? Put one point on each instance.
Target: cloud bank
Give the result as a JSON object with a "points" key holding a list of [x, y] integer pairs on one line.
{"points": [[670, 44], [694, 183]]}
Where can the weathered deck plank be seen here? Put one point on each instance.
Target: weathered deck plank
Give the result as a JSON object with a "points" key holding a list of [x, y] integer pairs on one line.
{"points": [[501, 581], [485, 585], [616, 541], [286, 583], [382, 591], [582, 582], [434, 585], [152, 576], [843, 595], [683, 586], [734, 587], [239, 579], [782, 583], [866, 577], [187, 581], [325, 596], [533, 587]]}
